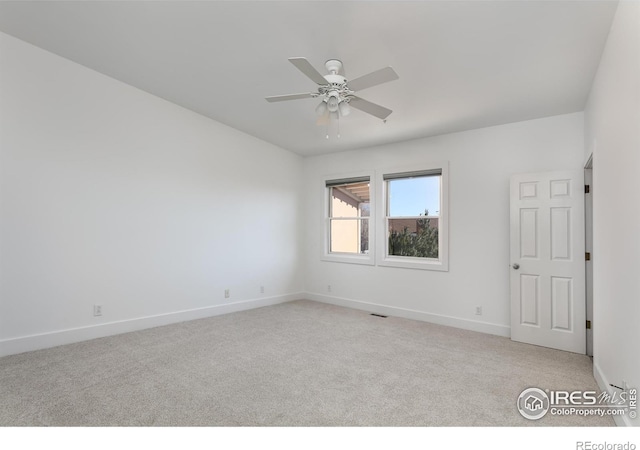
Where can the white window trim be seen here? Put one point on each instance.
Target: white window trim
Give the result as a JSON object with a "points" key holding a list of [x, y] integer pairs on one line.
{"points": [[368, 259], [382, 241]]}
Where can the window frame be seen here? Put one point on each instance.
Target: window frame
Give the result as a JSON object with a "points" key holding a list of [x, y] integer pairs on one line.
{"points": [[352, 258], [382, 238]]}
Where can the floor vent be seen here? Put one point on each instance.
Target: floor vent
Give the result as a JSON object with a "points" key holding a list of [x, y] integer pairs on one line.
{"points": [[379, 315]]}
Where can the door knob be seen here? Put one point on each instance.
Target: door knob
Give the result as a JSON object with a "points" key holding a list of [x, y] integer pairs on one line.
{"points": [[516, 266]]}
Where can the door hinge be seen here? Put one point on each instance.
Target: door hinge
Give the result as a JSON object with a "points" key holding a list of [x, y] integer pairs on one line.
{"points": [[588, 324], [587, 256], [586, 189]]}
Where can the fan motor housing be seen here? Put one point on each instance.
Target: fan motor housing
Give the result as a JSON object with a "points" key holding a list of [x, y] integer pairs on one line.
{"points": [[335, 79]]}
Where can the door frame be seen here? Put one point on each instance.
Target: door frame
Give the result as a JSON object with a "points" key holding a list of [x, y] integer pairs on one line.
{"points": [[588, 248]]}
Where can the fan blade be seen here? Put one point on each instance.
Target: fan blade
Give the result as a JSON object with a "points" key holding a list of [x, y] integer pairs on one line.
{"points": [[323, 119], [371, 108], [282, 98], [306, 68], [373, 79]]}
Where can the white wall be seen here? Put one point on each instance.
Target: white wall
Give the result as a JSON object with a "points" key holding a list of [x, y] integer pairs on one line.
{"points": [[612, 133], [112, 196], [480, 164]]}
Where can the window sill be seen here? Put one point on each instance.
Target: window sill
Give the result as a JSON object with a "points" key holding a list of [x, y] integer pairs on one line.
{"points": [[414, 263], [349, 259]]}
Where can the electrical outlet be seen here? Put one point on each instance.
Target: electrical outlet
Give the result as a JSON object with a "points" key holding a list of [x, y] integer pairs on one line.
{"points": [[97, 310], [262, 289], [328, 288], [227, 293], [478, 310]]}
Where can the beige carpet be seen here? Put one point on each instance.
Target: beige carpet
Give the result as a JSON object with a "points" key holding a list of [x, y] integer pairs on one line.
{"points": [[299, 363]]}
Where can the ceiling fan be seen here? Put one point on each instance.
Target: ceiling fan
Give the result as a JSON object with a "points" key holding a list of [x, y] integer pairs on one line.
{"points": [[338, 95]]}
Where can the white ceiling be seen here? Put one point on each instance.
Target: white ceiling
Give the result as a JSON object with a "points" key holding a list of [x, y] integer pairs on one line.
{"points": [[462, 65]]}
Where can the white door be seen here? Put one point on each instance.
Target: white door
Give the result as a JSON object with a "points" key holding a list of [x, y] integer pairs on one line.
{"points": [[547, 260]]}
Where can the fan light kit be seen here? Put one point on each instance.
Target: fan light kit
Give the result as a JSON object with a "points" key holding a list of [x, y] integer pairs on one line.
{"points": [[338, 96]]}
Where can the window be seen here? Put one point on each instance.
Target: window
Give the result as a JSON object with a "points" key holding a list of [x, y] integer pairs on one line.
{"points": [[349, 220], [414, 219], [394, 218]]}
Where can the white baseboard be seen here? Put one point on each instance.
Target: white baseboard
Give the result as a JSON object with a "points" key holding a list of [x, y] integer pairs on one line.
{"points": [[603, 384], [55, 338], [466, 324]]}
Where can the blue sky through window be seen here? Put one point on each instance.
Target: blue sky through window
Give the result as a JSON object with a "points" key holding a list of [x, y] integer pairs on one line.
{"points": [[411, 196]]}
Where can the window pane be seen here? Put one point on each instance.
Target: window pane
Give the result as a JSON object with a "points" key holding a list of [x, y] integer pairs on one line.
{"points": [[365, 209], [349, 236], [350, 200], [416, 196], [413, 237]]}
